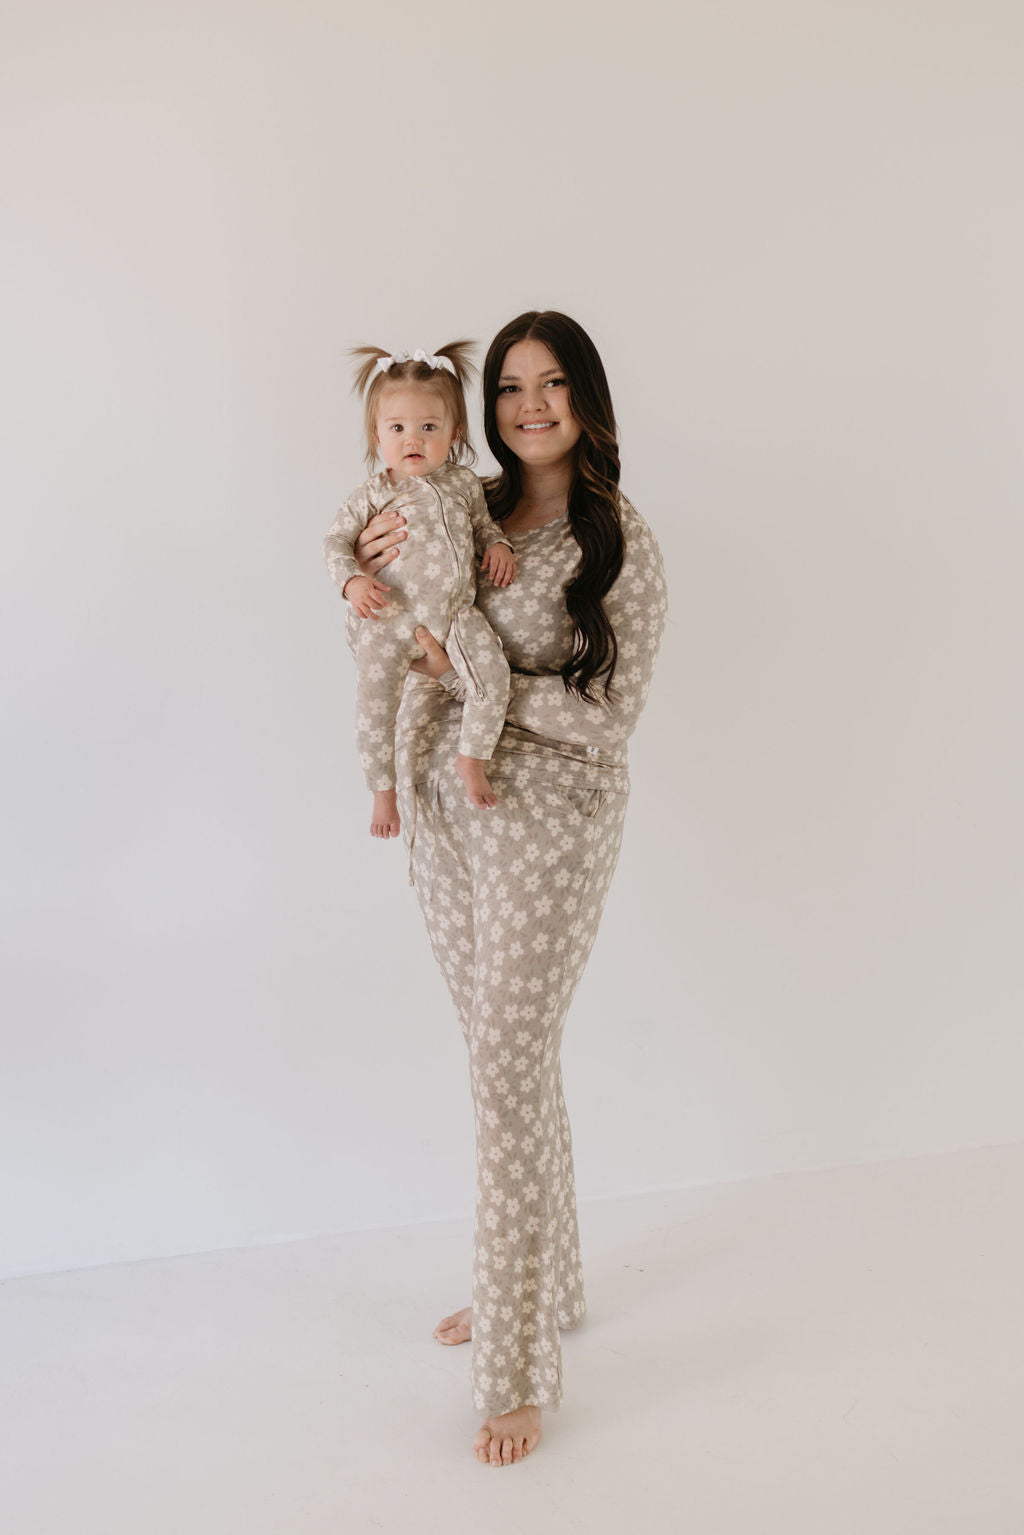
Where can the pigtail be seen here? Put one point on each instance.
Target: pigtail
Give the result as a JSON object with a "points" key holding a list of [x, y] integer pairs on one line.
{"points": [[366, 369], [457, 353]]}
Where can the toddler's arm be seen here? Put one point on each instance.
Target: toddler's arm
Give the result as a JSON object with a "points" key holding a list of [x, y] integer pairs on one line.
{"points": [[339, 544], [486, 532]]}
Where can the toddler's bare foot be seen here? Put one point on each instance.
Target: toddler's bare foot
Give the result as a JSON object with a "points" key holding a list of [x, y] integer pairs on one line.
{"points": [[385, 822], [457, 1328], [509, 1437], [478, 790]]}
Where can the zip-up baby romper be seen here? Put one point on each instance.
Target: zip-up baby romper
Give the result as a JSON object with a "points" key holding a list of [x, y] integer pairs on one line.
{"points": [[433, 582]]}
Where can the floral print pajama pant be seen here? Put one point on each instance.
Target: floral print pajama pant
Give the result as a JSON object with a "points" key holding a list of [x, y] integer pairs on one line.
{"points": [[512, 899]]}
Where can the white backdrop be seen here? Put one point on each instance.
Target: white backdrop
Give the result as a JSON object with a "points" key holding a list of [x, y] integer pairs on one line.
{"points": [[795, 232]]}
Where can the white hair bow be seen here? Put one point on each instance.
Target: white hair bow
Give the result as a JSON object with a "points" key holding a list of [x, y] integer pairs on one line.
{"points": [[384, 363]]}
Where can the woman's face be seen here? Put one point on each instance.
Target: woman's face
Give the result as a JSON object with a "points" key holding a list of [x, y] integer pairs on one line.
{"points": [[532, 409]]}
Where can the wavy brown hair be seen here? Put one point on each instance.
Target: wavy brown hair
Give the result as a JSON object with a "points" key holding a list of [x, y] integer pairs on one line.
{"points": [[451, 387], [593, 495]]}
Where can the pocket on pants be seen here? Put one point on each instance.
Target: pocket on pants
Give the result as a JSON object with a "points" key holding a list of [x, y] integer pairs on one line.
{"points": [[576, 801]]}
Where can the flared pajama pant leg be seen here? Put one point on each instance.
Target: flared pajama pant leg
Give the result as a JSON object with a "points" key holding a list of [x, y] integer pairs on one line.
{"points": [[444, 887], [512, 899]]}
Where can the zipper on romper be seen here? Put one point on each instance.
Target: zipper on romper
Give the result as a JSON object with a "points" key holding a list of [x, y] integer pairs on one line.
{"points": [[448, 531], [453, 632]]}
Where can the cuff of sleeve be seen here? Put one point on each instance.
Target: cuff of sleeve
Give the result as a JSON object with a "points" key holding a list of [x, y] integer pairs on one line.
{"points": [[453, 684]]}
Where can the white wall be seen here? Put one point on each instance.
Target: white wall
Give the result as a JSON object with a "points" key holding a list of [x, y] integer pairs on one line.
{"points": [[795, 233]]}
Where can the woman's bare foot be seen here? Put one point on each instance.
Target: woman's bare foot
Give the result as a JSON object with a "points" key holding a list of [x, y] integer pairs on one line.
{"points": [[385, 821], [509, 1437], [478, 790], [457, 1328]]}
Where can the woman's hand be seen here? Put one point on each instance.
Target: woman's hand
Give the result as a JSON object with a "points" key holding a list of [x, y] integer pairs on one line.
{"points": [[377, 544], [435, 663]]}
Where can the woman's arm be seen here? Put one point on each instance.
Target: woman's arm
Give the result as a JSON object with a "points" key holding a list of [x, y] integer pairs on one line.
{"points": [[636, 606]]}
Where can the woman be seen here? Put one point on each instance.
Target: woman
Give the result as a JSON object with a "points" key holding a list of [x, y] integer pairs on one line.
{"points": [[512, 896]]}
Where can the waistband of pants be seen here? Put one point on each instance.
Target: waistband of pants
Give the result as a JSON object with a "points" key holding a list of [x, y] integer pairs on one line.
{"points": [[514, 739]]}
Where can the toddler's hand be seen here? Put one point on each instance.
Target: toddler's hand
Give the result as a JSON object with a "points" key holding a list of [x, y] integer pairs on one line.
{"points": [[365, 594], [500, 564]]}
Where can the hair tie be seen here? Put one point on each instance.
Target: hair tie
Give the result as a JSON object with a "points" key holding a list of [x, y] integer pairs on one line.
{"points": [[386, 363]]}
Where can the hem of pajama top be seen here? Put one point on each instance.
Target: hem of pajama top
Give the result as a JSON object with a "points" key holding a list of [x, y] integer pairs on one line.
{"points": [[427, 742]]}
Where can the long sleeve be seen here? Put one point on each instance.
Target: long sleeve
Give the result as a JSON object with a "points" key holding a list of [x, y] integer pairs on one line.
{"points": [[637, 606], [339, 544], [485, 530], [352, 625], [453, 685]]}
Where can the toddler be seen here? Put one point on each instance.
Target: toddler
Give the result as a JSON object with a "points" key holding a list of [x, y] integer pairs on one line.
{"points": [[415, 416]]}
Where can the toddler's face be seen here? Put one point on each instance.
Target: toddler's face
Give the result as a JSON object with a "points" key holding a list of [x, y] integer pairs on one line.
{"points": [[413, 429]]}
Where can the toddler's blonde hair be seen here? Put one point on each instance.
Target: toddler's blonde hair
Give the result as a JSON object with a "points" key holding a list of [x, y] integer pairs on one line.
{"points": [[370, 383]]}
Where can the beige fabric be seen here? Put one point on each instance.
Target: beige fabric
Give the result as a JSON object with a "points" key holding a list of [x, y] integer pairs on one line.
{"points": [[433, 583], [579, 740], [512, 899]]}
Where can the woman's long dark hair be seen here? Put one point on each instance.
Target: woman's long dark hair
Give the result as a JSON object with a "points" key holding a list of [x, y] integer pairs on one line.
{"points": [[593, 495]]}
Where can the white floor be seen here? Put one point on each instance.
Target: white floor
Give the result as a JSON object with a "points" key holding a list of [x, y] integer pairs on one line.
{"points": [[826, 1353]]}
